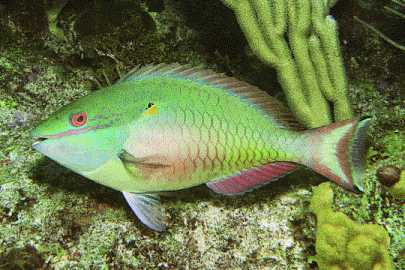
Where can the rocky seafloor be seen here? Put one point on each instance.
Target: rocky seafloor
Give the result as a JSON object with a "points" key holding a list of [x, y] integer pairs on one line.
{"points": [[53, 52]]}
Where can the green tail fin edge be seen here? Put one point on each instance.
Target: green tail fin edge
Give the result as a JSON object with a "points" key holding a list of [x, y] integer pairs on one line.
{"points": [[340, 152], [358, 152]]}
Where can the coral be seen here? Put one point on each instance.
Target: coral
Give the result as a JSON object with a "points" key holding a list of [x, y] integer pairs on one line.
{"points": [[343, 244], [309, 63]]}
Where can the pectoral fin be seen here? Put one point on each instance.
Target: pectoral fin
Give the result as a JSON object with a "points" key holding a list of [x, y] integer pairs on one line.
{"points": [[127, 157], [148, 209], [150, 162]]}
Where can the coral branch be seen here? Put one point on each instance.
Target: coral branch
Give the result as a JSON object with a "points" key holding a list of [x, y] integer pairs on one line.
{"points": [[299, 27], [253, 33], [326, 30], [300, 41]]}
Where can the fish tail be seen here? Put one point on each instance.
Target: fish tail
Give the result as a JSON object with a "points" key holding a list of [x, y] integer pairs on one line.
{"points": [[339, 151]]}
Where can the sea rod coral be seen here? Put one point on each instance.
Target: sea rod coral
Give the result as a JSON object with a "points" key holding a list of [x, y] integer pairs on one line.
{"points": [[300, 41]]}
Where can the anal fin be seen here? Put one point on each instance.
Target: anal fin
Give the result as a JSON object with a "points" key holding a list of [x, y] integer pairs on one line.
{"points": [[148, 209], [253, 178]]}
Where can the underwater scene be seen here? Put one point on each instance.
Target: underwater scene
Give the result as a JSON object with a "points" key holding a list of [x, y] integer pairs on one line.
{"points": [[202, 134]]}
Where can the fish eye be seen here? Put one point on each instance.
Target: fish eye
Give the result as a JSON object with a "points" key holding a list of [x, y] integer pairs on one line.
{"points": [[78, 119], [150, 104]]}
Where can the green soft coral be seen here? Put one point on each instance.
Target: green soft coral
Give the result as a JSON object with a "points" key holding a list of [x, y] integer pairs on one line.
{"points": [[301, 42], [344, 244]]}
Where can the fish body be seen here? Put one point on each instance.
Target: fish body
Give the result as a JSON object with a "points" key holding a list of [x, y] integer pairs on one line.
{"points": [[171, 127]]}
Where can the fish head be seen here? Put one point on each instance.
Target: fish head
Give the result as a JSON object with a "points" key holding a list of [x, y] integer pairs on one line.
{"points": [[82, 135]]}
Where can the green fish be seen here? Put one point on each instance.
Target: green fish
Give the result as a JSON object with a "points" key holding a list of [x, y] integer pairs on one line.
{"points": [[169, 127]]}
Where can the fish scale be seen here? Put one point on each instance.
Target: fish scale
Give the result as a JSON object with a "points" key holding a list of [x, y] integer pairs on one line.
{"points": [[210, 141], [241, 130], [170, 127]]}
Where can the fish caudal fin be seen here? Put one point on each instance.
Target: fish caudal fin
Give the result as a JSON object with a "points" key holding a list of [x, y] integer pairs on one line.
{"points": [[339, 151]]}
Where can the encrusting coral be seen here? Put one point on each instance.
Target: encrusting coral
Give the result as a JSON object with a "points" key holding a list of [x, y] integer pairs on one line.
{"points": [[308, 62], [342, 243]]}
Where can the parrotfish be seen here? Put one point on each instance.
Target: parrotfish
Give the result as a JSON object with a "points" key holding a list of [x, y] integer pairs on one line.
{"points": [[169, 127]]}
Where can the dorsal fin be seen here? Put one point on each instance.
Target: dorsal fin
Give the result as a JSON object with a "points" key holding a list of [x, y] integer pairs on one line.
{"points": [[246, 91]]}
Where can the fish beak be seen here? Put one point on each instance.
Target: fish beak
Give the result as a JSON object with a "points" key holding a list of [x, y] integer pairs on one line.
{"points": [[37, 137], [38, 140]]}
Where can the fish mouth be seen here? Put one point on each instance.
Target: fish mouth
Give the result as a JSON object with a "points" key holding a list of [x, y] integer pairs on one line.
{"points": [[38, 140]]}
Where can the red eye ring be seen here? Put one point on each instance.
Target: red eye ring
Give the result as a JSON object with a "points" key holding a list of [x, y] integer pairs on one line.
{"points": [[78, 119]]}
